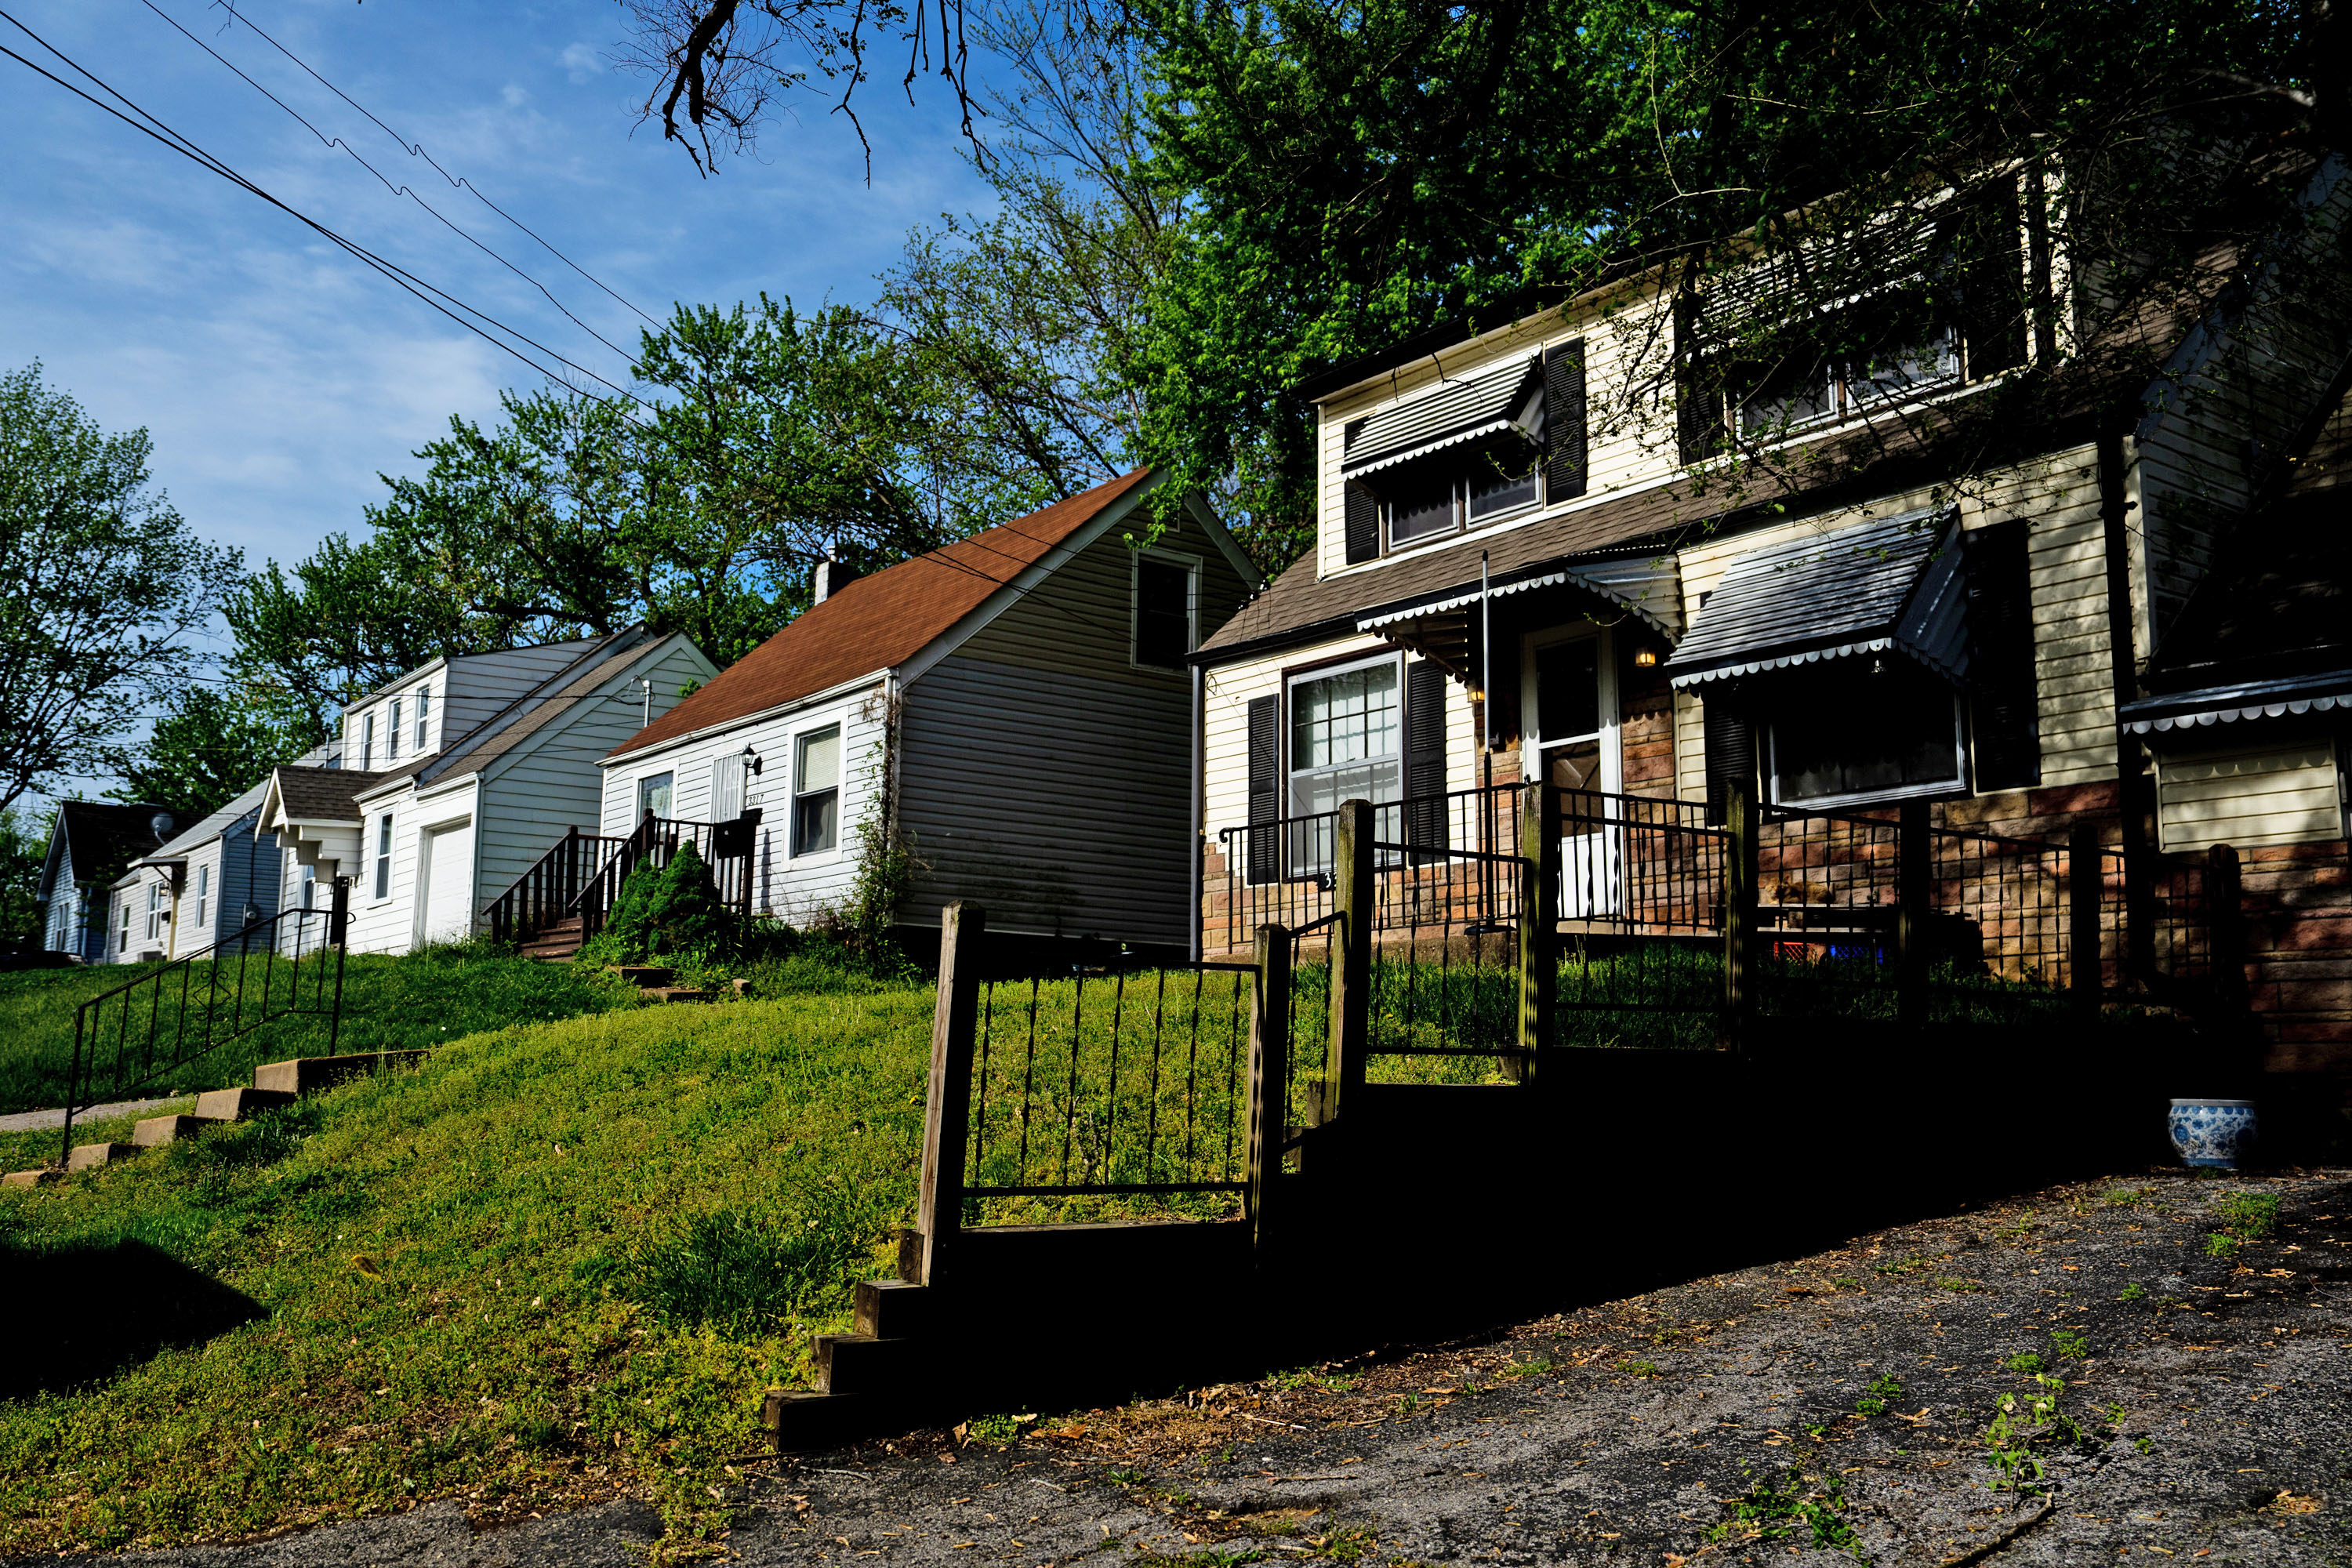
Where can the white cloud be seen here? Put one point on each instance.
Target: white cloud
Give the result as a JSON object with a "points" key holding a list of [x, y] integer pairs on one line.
{"points": [[515, 96], [580, 60]]}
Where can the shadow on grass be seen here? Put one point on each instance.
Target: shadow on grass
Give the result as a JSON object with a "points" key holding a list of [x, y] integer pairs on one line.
{"points": [[79, 1314]]}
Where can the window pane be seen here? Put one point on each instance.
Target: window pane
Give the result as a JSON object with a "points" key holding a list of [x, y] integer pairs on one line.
{"points": [[1164, 617], [820, 762], [1789, 395], [1419, 504], [1344, 718], [1854, 732], [814, 826], [1568, 689], [1501, 480], [654, 795], [1923, 361]]}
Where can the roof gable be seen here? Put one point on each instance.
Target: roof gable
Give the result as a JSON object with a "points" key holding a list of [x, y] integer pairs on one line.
{"points": [[880, 622]]}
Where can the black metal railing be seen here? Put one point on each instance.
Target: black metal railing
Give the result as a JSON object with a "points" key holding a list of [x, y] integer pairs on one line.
{"points": [[1110, 1082], [147, 1030], [726, 848]]}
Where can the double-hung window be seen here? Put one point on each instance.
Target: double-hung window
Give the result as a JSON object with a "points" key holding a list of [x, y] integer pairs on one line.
{"points": [[384, 855], [392, 733], [204, 895], [1817, 389], [1877, 729], [423, 716], [158, 911], [1461, 490], [367, 743], [1347, 742], [816, 790], [1163, 612], [654, 795], [122, 929]]}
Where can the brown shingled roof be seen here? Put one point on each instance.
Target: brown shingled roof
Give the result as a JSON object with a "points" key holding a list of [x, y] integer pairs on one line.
{"points": [[878, 622], [323, 794]]}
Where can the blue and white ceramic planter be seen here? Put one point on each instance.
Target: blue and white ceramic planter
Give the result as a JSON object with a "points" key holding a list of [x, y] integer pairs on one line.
{"points": [[2213, 1132]]}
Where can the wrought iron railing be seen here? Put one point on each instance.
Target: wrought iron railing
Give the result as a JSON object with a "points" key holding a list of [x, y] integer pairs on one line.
{"points": [[581, 876], [148, 1030], [544, 895]]}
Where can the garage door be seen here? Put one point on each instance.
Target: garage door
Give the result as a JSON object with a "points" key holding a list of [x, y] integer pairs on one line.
{"points": [[449, 883]]}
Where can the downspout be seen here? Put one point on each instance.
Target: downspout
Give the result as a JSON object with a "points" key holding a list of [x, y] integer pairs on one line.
{"points": [[1199, 804], [2133, 786]]}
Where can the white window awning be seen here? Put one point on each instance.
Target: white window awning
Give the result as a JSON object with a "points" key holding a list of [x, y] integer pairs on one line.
{"points": [[2234, 704], [1458, 601], [1507, 398]]}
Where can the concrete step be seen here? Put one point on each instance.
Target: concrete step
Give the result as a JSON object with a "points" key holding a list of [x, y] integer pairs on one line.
{"points": [[40, 1178], [236, 1104], [894, 1310], [157, 1130], [89, 1156], [676, 993], [308, 1075], [648, 975], [860, 1363], [800, 1419]]}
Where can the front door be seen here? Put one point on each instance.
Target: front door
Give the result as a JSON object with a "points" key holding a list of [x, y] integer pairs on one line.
{"points": [[1570, 742]]}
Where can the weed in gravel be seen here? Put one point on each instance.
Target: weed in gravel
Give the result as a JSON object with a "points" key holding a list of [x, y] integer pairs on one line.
{"points": [[1778, 1507], [2249, 1217], [2221, 1243], [1882, 1393], [1124, 1477], [996, 1430], [1956, 1284], [2135, 1291], [2024, 1361], [2070, 1345], [1901, 1266], [2126, 1198], [2144, 1443], [1310, 1377], [1534, 1367], [2021, 1429], [1406, 1405], [1347, 1544], [1640, 1369]]}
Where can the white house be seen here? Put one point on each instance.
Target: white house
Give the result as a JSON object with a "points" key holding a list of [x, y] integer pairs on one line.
{"points": [[92, 842], [1024, 693], [452, 781]]}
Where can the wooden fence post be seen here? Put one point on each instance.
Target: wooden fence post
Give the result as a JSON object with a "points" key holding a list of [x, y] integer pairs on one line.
{"points": [[947, 1109], [1914, 852], [2225, 914], [1269, 1081], [2086, 881], [1739, 880], [1538, 922], [1351, 956]]}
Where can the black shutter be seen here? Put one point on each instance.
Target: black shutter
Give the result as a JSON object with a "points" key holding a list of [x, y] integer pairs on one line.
{"points": [[2004, 719], [1730, 742], [1698, 414], [1424, 760], [1363, 524], [1992, 282], [1564, 421], [1265, 787]]}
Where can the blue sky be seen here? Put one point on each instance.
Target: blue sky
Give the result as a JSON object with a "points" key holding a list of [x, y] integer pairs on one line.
{"points": [[280, 377]]}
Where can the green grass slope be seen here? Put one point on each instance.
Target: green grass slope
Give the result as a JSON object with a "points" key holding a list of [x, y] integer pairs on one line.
{"points": [[389, 1004], [559, 1261]]}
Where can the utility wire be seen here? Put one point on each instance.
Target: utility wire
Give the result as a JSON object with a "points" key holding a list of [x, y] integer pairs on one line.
{"points": [[149, 125], [333, 141], [416, 150]]}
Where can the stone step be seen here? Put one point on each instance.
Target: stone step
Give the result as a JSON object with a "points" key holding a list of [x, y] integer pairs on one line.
{"points": [[236, 1104], [89, 1156], [860, 1363], [676, 993], [308, 1075], [40, 1178], [157, 1130], [802, 1419], [651, 976], [894, 1310]]}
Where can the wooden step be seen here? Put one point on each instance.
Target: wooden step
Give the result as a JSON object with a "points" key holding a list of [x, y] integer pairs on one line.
{"points": [[804, 1419], [860, 1363], [894, 1310]]}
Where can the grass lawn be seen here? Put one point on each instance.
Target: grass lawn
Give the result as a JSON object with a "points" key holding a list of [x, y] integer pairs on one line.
{"points": [[558, 1261], [389, 1004]]}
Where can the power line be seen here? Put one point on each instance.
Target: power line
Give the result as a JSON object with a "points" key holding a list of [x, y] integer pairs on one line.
{"points": [[333, 141], [149, 125], [416, 150]]}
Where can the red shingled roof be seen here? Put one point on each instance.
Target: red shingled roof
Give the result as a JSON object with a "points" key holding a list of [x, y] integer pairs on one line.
{"points": [[879, 622]]}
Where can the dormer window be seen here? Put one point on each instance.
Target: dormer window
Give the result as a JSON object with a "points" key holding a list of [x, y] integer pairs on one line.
{"points": [[392, 733], [423, 718], [367, 743], [1816, 388]]}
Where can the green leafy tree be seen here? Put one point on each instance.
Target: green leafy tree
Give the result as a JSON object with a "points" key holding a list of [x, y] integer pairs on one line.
{"points": [[22, 851], [207, 749], [100, 582]]}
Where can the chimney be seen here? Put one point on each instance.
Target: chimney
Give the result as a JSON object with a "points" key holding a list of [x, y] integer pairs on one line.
{"points": [[832, 578]]}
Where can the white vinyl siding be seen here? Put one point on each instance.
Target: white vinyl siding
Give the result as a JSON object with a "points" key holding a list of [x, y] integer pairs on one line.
{"points": [[2247, 796]]}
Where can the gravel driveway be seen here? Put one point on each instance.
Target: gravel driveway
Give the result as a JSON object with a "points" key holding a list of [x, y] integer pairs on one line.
{"points": [[2198, 1406]]}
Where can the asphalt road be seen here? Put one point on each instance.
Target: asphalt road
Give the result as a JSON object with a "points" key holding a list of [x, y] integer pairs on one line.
{"points": [[1711, 1421]]}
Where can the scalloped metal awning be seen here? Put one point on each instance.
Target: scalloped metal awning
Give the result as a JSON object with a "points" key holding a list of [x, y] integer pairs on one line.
{"points": [[2232, 704], [1441, 628], [1889, 586], [1507, 398]]}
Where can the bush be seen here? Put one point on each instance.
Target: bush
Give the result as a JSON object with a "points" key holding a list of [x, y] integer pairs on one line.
{"points": [[670, 912]]}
